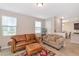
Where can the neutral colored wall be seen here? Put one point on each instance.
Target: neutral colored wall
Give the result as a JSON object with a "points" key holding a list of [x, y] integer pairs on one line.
{"points": [[53, 24], [49, 24], [25, 24], [58, 24], [69, 27]]}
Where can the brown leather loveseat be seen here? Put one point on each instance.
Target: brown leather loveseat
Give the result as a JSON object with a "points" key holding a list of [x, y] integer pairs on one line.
{"points": [[19, 42]]}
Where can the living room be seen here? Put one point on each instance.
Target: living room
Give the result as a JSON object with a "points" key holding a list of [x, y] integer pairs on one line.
{"points": [[18, 20]]}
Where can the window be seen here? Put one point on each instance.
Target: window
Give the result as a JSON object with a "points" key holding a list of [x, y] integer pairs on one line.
{"points": [[37, 27], [8, 25]]}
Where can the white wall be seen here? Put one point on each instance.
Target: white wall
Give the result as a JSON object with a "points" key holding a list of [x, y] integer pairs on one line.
{"points": [[49, 24], [69, 26], [58, 24], [53, 24], [25, 24]]}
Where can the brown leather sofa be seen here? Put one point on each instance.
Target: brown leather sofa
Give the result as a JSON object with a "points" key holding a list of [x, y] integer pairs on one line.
{"points": [[19, 42]]}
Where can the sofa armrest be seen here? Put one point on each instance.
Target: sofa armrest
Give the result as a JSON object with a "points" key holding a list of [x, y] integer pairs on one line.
{"points": [[13, 45], [9, 43], [14, 41]]}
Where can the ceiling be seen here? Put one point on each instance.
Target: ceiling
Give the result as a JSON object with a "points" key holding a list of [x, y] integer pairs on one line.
{"points": [[48, 9]]}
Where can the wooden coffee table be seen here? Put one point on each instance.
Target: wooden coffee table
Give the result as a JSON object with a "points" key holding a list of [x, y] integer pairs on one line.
{"points": [[33, 48]]}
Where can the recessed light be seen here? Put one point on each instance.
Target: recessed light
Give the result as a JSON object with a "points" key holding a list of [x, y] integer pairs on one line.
{"points": [[39, 4]]}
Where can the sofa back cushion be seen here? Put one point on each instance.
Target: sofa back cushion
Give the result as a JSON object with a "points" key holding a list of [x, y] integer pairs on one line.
{"points": [[51, 37], [19, 38], [30, 37], [33, 37]]}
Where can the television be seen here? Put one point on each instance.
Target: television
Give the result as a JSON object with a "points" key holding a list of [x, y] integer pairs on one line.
{"points": [[76, 26]]}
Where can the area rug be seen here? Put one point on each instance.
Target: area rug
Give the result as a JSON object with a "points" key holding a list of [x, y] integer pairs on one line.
{"points": [[44, 52]]}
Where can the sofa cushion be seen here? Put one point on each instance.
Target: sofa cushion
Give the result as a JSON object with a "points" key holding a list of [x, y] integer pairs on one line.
{"points": [[28, 37], [21, 43], [49, 37], [52, 38], [60, 40], [19, 38], [32, 36], [25, 42], [31, 41]]}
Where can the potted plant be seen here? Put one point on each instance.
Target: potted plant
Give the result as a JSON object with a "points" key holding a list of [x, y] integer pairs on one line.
{"points": [[44, 31]]}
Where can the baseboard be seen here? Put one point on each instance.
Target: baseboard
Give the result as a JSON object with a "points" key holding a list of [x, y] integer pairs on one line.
{"points": [[5, 47]]}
